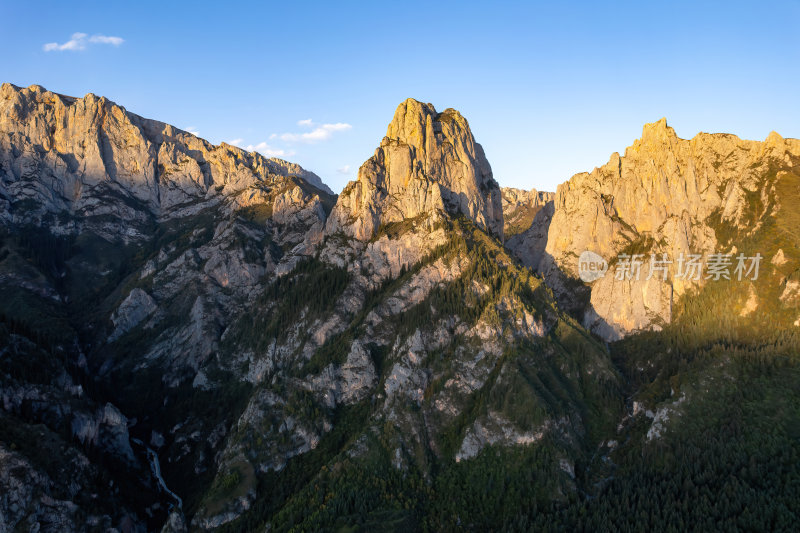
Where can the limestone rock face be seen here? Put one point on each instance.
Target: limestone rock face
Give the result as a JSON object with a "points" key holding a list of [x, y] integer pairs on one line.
{"points": [[520, 208], [619, 307], [664, 195], [428, 163], [287, 168], [135, 308], [527, 216], [91, 158], [348, 383]]}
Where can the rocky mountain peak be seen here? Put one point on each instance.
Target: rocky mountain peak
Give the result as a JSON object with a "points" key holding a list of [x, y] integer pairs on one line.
{"points": [[428, 163], [655, 136], [409, 122], [666, 195]]}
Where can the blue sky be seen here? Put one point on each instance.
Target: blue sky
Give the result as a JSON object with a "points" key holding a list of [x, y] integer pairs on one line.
{"points": [[549, 89]]}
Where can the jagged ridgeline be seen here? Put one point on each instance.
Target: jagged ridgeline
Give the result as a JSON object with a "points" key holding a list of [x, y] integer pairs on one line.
{"points": [[197, 337]]}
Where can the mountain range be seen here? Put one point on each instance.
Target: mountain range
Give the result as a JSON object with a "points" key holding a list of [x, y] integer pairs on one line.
{"points": [[196, 337]]}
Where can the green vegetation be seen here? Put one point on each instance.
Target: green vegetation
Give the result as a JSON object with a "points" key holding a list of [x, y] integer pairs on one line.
{"points": [[237, 482], [519, 223], [311, 290], [257, 213], [334, 350], [729, 461]]}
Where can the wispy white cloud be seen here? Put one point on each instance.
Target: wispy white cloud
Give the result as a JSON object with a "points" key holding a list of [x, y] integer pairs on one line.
{"points": [[344, 170], [321, 132], [267, 150], [81, 41], [192, 130], [106, 39], [263, 148]]}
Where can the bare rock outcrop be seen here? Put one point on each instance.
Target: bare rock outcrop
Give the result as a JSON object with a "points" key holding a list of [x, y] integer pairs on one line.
{"points": [[527, 216], [520, 208], [664, 195], [428, 163], [112, 169], [136, 307]]}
